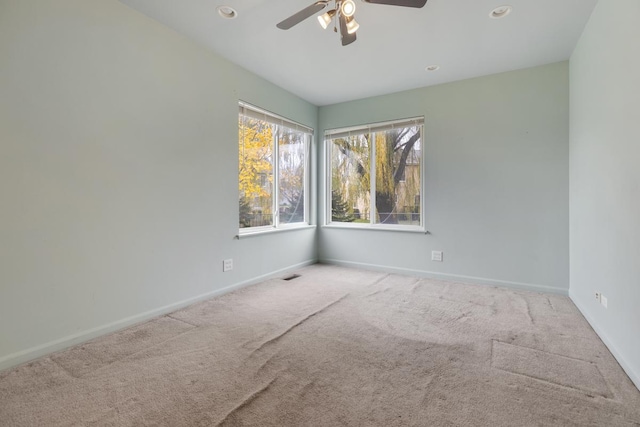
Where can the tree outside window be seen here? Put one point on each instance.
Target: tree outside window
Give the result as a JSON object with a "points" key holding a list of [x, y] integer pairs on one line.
{"points": [[273, 171], [376, 174]]}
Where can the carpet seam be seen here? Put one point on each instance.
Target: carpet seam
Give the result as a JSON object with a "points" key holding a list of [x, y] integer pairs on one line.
{"points": [[528, 309], [550, 382], [550, 304], [247, 401], [289, 329], [375, 282], [414, 285], [543, 381], [67, 371], [123, 358], [183, 321], [564, 356]]}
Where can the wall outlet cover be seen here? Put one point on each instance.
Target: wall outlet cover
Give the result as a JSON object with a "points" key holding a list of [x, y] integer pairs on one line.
{"points": [[227, 264], [604, 301], [436, 256]]}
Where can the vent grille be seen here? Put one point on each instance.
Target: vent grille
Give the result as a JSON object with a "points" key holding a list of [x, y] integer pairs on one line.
{"points": [[291, 277]]}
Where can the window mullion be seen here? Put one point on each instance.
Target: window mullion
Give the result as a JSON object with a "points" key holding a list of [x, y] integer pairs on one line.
{"points": [[275, 193], [423, 222], [307, 179], [328, 148], [372, 178]]}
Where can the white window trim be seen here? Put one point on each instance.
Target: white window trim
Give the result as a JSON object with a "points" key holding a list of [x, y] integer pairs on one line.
{"points": [[261, 114], [251, 232], [377, 227], [373, 127]]}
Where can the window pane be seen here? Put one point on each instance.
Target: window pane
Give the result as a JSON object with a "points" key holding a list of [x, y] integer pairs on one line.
{"points": [[376, 173], [350, 180], [398, 159], [273, 179], [291, 173], [256, 172]]}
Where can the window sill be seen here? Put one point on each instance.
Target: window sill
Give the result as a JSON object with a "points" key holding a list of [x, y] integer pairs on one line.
{"points": [[272, 230], [402, 229]]}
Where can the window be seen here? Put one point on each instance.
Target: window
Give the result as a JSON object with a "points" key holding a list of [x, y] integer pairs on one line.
{"points": [[375, 175], [273, 170]]}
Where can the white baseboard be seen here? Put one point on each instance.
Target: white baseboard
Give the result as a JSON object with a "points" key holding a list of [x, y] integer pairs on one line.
{"points": [[624, 363], [453, 277], [23, 356]]}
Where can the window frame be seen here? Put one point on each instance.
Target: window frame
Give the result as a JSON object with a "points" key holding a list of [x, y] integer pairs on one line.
{"points": [[308, 132], [331, 134]]}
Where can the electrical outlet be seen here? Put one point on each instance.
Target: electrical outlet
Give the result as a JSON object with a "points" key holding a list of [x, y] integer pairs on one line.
{"points": [[597, 296], [227, 264], [436, 256], [603, 300]]}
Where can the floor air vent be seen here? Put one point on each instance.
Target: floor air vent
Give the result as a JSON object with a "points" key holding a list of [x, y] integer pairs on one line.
{"points": [[291, 277]]}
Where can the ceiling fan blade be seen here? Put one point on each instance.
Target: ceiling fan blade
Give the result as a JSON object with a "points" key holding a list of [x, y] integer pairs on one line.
{"points": [[405, 3], [344, 34], [305, 13]]}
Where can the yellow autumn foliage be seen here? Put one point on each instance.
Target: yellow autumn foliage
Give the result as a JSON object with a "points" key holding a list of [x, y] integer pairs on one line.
{"points": [[255, 157]]}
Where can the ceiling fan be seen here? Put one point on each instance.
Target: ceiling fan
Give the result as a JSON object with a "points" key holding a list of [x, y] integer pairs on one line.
{"points": [[343, 11]]}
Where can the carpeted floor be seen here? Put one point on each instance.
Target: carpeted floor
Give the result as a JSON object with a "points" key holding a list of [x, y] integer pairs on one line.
{"points": [[336, 347]]}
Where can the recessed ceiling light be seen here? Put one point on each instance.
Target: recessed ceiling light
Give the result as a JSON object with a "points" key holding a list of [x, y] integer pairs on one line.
{"points": [[432, 68], [500, 12], [227, 12]]}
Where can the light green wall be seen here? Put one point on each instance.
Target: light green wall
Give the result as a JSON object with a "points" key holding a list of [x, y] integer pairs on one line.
{"points": [[118, 152], [496, 199], [605, 177]]}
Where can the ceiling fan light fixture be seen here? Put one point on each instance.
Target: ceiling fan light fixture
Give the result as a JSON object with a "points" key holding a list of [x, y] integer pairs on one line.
{"points": [[344, 13], [352, 25], [325, 18], [348, 8]]}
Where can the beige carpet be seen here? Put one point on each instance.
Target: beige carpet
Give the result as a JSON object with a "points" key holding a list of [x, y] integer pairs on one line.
{"points": [[336, 347]]}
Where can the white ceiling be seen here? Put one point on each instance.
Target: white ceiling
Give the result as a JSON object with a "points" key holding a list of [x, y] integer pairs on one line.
{"points": [[394, 44]]}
